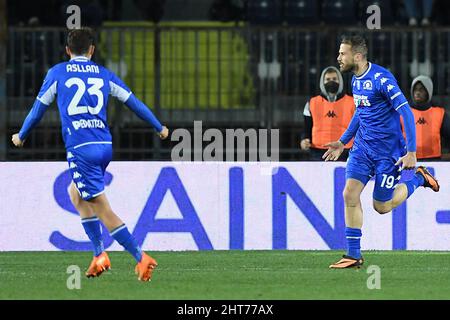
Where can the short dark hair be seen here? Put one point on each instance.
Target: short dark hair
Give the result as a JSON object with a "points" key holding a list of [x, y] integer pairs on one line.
{"points": [[330, 70], [79, 40], [357, 42]]}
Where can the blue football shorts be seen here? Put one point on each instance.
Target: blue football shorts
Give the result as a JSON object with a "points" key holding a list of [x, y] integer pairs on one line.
{"points": [[87, 166], [362, 166]]}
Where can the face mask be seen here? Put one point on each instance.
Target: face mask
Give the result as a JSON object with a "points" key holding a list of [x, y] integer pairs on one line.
{"points": [[332, 87]]}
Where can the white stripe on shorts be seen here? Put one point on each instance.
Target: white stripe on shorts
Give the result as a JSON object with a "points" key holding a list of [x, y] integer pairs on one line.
{"points": [[93, 142], [97, 194]]}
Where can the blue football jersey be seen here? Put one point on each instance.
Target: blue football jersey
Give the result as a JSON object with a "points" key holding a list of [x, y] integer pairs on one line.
{"points": [[82, 89], [377, 96]]}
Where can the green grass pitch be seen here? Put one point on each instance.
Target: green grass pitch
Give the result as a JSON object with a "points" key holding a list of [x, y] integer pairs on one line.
{"points": [[229, 275]]}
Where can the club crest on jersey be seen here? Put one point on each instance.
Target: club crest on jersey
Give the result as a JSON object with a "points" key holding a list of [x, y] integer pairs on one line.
{"points": [[367, 85]]}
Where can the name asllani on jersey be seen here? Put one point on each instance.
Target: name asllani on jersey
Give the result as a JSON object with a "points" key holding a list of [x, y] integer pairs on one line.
{"points": [[82, 68]]}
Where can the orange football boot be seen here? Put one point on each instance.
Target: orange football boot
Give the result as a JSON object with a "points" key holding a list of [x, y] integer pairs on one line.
{"points": [[144, 268], [98, 265], [347, 262], [430, 181]]}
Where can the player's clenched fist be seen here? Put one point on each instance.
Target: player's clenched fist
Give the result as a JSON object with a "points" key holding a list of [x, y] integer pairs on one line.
{"points": [[16, 140], [164, 133]]}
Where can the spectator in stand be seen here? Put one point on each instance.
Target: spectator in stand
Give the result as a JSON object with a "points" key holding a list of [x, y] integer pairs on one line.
{"points": [[327, 115], [431, 121], [419, 10]]}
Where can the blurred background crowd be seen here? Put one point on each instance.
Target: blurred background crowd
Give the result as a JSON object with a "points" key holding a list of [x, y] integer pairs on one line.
{"points": [[229, 63]]}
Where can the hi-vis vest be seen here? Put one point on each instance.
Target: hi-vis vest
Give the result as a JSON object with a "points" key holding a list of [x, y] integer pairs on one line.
{"points": [[428, 132], [330, 119]]}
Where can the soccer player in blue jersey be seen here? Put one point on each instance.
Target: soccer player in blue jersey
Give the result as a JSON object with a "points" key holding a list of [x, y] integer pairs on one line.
{"points": [[379, 148], [81, 88]]}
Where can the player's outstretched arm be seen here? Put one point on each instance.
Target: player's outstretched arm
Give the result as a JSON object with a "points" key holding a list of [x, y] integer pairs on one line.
{"points": [[352, 128], [143, 112], [409, 160], [44, 99], [32, 119], [120, 90]]}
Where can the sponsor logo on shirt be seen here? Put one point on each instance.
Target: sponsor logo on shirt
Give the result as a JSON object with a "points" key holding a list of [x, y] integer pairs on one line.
{"points": [[361, 100], [88, 124]]}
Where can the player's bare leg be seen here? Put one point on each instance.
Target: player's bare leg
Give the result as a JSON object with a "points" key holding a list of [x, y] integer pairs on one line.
{"points": [[145, 263], [353, 223], [100, 262], [83, 207], [399, 196], [353, 209], [404, 190], [100, 205]]}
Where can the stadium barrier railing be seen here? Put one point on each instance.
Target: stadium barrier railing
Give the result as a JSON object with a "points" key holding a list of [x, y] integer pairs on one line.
{"points": [[226, 75]]}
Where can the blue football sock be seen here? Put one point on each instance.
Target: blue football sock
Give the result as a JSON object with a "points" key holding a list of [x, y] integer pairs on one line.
{"points": [[94, 232], [353, 237], [414, 183], [126, 240]]}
